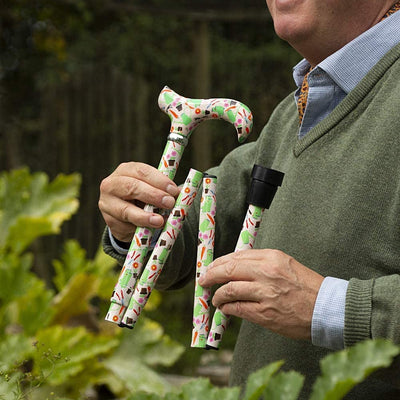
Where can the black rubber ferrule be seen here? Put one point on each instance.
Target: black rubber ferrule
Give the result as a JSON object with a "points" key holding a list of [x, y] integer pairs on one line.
{"points": [[264, 184]]}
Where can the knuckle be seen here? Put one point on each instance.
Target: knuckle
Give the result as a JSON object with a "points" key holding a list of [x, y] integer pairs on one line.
{"points": [[276, 254], [105, 185], [238, 308], [123, 166], [132, 189], [124, 213], [142, 170], [230, 268], [100, 204], [229, 289]]}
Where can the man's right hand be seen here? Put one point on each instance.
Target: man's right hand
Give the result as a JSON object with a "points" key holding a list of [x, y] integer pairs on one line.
{"points": [[124, 193]]}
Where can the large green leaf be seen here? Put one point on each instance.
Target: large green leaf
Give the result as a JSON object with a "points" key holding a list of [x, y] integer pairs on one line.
{"points": [[14, 349], [284, 386], [198, 389], [18, 288], [258, 380], [15, 276], [132, 375], [30, 206], [74, 298], [144, 347], [10, 388], [33, 310], [151, 345], [75, 346], [342, 370], [73, 260]]}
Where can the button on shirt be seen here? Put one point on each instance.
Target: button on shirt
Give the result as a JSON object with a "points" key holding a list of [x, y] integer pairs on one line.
{"points": [[329, 83]]}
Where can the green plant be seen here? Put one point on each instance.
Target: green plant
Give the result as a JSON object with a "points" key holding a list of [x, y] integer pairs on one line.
{"points": [[55, 343], [341, 371]]}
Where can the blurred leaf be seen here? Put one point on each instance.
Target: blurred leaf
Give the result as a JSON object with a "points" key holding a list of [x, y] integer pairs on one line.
{"points": [[231, 393], [63, 351], [14, 349], [150, 344], [30, 206], [39, 313], [342, 370], [198, 389], [144, 347], [102, 263], [145, 396], [259, 380], [74, 298], [284, 386], [73, 260], [9, 386], [15, 276], [132, 375]]}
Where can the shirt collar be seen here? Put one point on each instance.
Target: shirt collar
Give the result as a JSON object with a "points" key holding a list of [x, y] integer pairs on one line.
{"points": [[348, 66]]}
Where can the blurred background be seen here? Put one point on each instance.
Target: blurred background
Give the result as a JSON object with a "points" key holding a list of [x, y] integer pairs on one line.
{"points": [[79, 82]]}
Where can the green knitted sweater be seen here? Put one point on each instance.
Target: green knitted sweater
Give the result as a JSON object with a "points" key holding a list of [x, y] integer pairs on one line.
{"points": [[338, 213]]}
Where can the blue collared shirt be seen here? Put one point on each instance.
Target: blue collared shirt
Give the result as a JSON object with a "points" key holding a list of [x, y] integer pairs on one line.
{"points": [[329, 83]]}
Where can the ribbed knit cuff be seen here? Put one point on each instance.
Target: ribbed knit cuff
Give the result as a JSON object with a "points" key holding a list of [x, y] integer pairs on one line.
{"points": [[357, 321], [109, 249]]}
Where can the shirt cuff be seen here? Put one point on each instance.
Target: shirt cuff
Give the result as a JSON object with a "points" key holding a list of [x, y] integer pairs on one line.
{"points": [[327, 326], [115, 245]]}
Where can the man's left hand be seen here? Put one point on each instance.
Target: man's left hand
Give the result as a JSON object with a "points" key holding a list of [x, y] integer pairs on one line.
{"points": [[266, 287]]}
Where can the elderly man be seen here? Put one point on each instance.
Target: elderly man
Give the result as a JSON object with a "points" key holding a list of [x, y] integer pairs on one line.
{"points": [[325, 271]]}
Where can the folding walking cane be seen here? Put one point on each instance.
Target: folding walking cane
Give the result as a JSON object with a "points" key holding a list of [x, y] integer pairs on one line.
{"points": [[265, 183], [185, 114]]}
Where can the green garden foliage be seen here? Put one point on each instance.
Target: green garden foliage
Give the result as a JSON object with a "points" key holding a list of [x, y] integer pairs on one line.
{"points": [[341, 371], [54, 343]]}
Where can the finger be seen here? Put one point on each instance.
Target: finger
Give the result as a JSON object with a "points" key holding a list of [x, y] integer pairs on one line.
{"points": [[122, 231], [148, 174], [127, 188], [241, 309], [126, 212], [232, 267], [236, 291]]}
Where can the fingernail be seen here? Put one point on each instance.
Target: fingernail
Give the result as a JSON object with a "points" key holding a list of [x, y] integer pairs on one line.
{"points": [[201, 280], [156, 220], [168, 202], [172, 190]]}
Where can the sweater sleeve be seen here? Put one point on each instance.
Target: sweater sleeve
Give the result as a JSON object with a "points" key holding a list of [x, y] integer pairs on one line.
{"points": [[372, 309]]}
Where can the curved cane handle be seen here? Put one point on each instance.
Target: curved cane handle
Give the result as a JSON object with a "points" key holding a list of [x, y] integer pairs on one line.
{"points": [[186, 114]]}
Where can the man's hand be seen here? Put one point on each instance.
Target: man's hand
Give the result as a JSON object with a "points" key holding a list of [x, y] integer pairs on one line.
{"points": [[266, 287], [126, 190]]}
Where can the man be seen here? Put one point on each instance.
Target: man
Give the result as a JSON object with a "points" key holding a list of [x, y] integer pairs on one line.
{"points": [[325, 271]]}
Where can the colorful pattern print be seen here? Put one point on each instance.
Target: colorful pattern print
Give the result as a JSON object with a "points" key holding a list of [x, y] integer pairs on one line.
{"points": [[138, 249], [245, 241], [205, 255], [186, 114], [162, 248]]}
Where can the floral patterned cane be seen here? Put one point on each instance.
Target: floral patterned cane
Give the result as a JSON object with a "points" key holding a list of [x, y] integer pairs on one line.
{"points": [[264, 185], [185, 114], [163, 248], [205, 255]]}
